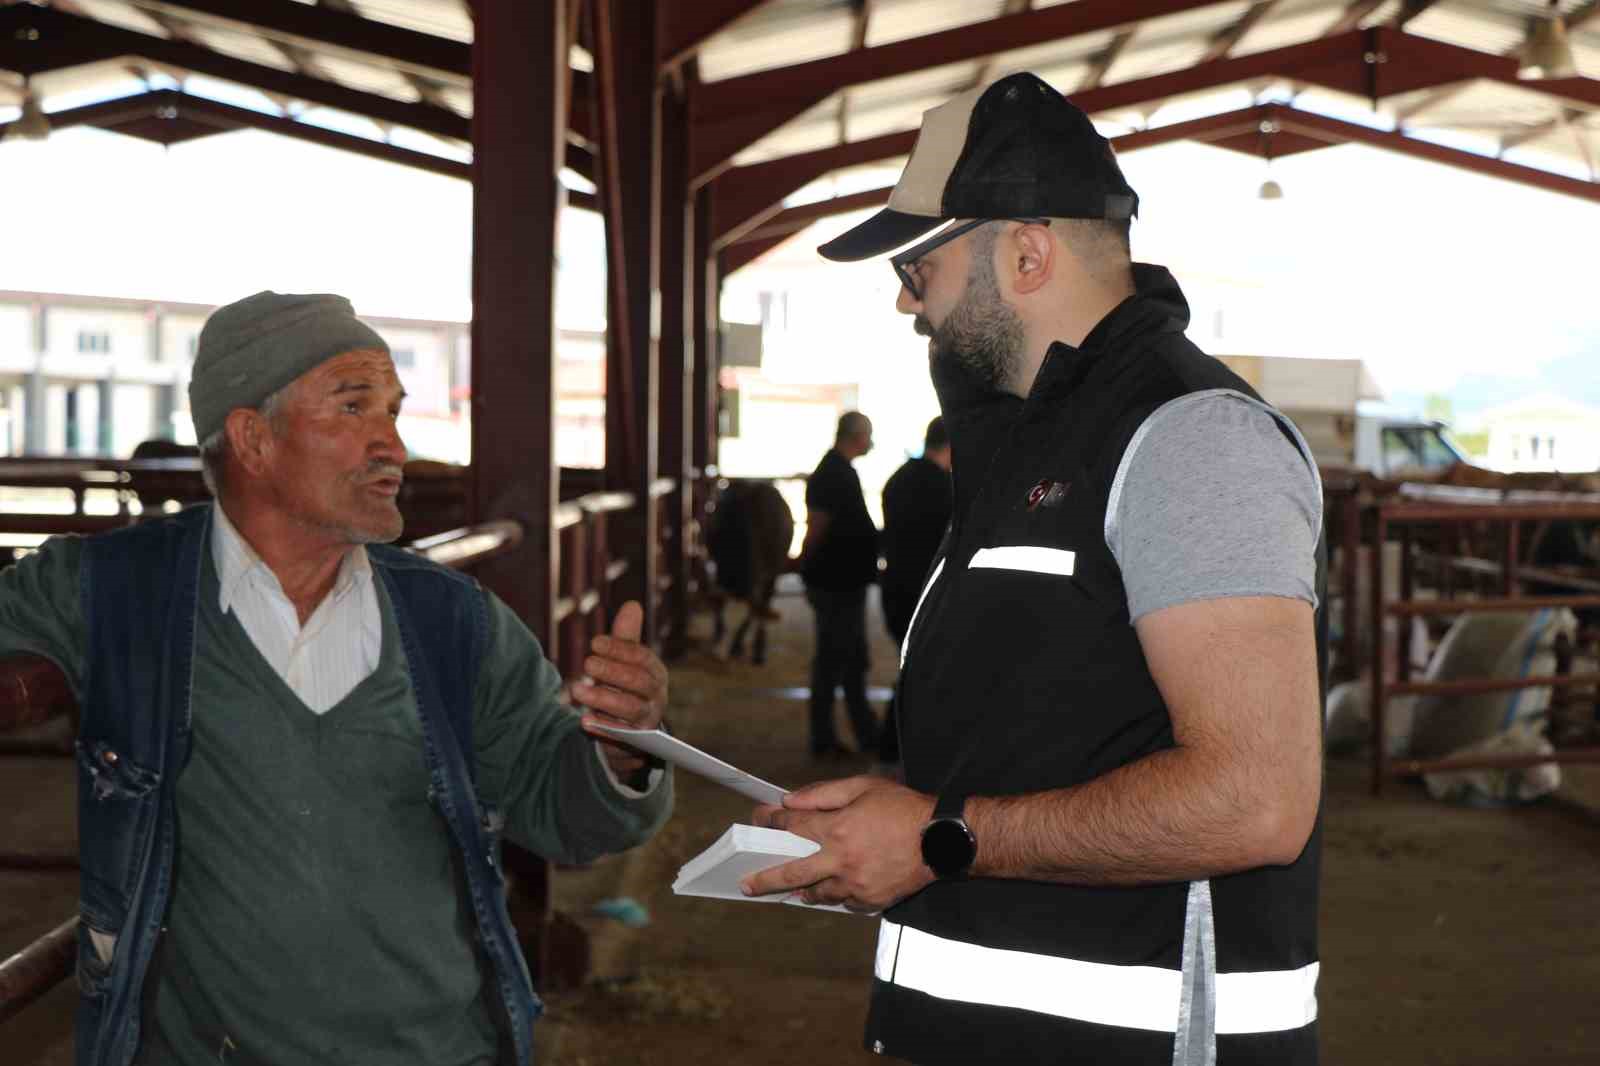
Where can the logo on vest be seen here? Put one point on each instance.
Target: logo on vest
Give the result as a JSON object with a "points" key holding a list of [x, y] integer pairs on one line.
{"points": [[1047, 493]]}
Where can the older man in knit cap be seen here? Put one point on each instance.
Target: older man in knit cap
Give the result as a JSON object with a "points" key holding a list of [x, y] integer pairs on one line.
{"points": [[300, 747]]}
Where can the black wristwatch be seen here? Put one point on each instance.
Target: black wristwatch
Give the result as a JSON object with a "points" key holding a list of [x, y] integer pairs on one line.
{"points": [[948, 846]]}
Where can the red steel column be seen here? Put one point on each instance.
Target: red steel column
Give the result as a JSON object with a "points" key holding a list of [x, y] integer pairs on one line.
{"points": [[520, 85], [625, 75], [677, 357], [707, 324], [519, 123]]}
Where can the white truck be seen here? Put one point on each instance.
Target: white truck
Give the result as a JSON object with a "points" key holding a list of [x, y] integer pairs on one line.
{"points": [[1340, 411]]}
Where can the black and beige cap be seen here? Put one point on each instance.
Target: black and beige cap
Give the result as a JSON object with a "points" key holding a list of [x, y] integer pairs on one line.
{"points": [[1013, 149]]}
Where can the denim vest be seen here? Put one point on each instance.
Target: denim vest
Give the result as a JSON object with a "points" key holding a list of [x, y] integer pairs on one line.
{"points": [[140, 594]]}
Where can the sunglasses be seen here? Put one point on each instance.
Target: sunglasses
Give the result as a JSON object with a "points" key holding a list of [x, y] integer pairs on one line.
{"points": [[905, 263]]}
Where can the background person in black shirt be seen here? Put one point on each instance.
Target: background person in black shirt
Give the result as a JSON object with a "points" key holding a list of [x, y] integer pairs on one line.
{"points": [[916, 512], [838, 560]]}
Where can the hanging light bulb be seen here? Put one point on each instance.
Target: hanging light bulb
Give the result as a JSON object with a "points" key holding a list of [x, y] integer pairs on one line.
{"points": [[1548, 53], [31, 125], [1270, 189]]}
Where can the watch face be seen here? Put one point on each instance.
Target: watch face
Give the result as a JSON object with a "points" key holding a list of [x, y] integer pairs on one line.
{"points": [[948, 847]]}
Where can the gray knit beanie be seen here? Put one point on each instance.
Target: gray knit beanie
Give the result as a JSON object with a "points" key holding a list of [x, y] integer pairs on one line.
{"points": [[250, 349]]}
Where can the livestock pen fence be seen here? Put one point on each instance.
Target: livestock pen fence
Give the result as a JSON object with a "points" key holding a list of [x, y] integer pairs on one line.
{"points": [[1437, 551]]}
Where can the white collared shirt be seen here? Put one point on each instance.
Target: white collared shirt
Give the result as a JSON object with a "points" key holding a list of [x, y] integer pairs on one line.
{"points": [[338, 647], [340, 643]]}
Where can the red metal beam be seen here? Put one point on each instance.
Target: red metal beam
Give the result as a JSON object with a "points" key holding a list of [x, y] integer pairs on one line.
{"points": [[746, 197], [1375, 63], [726, 124], [72, 41], [809, 83], [1353, 14], [34, 40], [1293, 131], [682, 26], [1381, 62], [1410, 10], [144, 115], [794, 219], [321, 26], [1331, 131], [1102, 64], [1226, 41], [1338, 132], [741, 255]]}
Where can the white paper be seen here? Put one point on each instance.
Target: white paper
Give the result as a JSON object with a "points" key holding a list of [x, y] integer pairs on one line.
{"points": [[691, 758], [743, 850]]}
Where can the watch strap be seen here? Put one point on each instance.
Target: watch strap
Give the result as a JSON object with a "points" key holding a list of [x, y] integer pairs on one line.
{"points": [[950, 804]]}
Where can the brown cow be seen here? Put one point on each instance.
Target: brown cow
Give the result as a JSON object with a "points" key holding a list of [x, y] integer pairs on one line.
{"points": [[748, 536]]}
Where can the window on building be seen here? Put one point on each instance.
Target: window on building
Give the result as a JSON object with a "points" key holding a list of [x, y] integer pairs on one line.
{"points": [[1533, 447], [404, 358], [91, 341]]}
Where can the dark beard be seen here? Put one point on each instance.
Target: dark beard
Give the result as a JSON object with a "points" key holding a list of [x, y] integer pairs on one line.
{"points": [[979, 344]]}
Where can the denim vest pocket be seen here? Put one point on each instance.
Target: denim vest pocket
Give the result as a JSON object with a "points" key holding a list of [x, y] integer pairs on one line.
{"points": [[117, 800]]}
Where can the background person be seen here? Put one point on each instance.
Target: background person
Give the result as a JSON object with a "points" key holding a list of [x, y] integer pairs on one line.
{"points": [[839, 561], [916, 512]]}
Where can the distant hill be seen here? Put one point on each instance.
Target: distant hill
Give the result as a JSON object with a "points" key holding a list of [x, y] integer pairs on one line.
{"points": [[1576, 377]]}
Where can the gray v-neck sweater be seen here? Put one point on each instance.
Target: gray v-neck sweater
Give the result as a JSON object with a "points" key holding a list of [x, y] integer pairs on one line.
{"points": [[316, 916]]}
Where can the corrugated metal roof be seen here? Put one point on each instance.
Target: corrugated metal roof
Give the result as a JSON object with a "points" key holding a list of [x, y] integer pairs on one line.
{"points": [[1486, 30], [897, 20], [120, 14], [781, 33], [442, 18], [239, 45], [1291, 23]]}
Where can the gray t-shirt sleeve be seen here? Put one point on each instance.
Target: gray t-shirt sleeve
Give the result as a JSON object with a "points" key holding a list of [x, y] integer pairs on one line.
{"points": [[1212, 499]]}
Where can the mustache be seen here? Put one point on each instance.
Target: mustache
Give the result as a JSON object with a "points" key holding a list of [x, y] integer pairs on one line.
{"points": [[380, 470]]}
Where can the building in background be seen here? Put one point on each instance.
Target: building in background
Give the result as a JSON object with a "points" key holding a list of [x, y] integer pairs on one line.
{"points": [[95, 376], [1543, 432]]}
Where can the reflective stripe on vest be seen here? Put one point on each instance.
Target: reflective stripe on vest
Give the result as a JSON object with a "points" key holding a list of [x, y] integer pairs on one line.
{"points": [[1025, 557], [906, 643], [1133, 997]]}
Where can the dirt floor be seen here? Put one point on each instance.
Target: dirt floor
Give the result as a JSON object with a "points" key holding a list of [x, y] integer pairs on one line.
{"points": [[1449, 935]]}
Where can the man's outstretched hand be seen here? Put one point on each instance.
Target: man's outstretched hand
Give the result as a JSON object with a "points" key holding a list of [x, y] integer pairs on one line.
{"points": [[624, 684], [870, 829]]}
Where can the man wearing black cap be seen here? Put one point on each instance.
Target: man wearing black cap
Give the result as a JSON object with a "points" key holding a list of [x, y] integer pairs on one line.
{"points": [[300, 747], [1107, 846]]}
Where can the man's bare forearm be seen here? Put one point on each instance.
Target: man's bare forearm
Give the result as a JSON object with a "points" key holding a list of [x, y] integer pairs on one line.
{"points": [[1171, 816]]}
